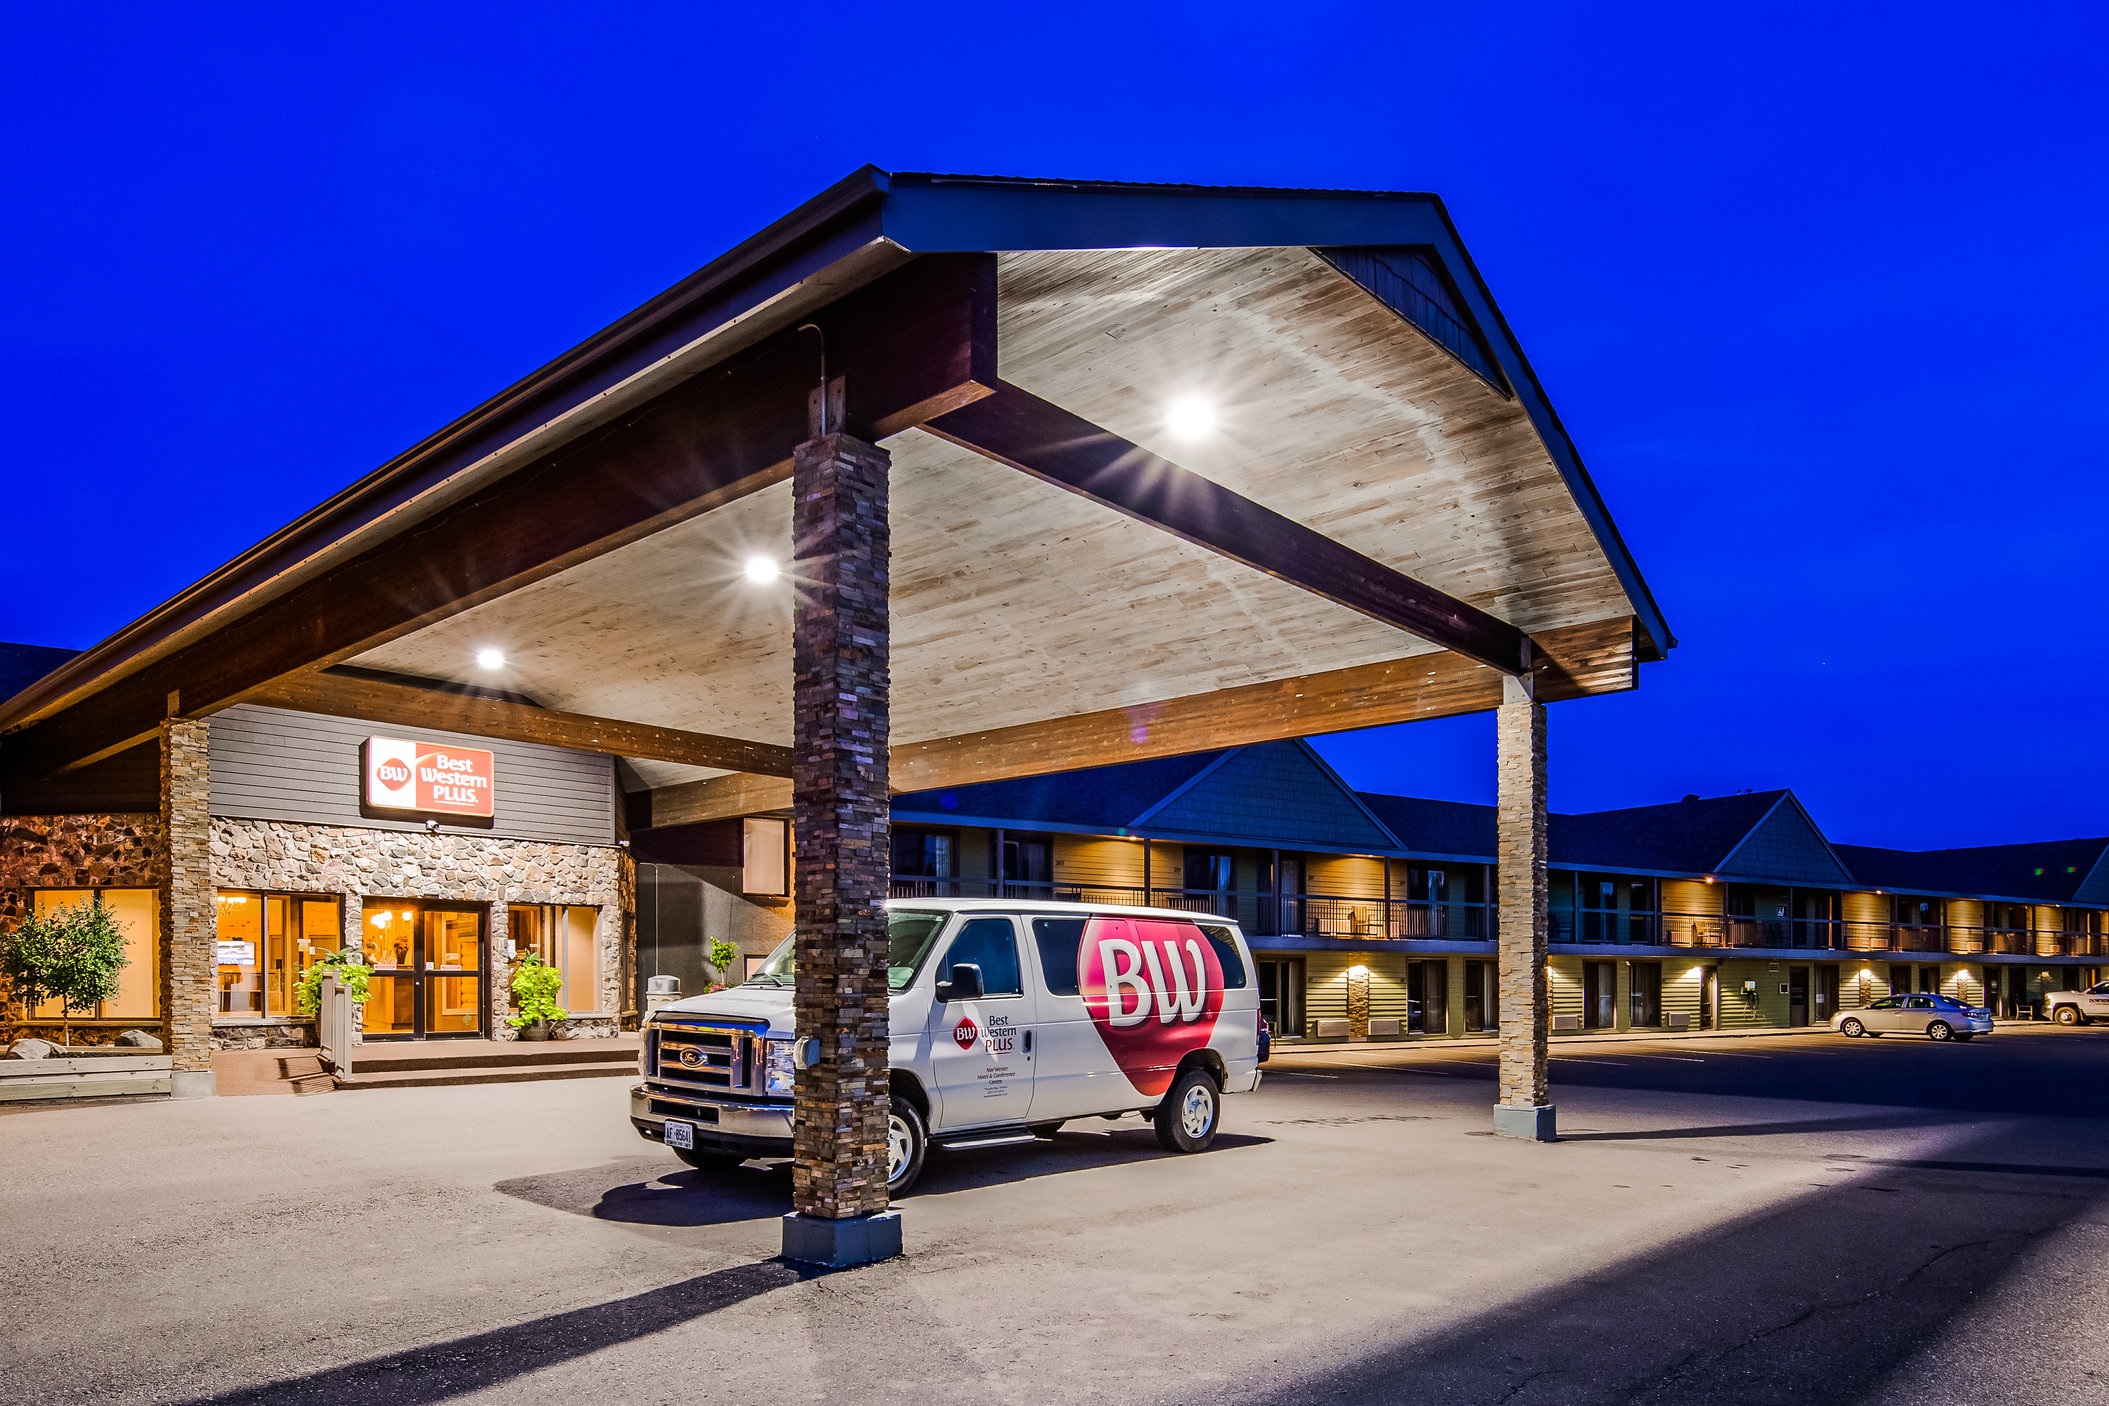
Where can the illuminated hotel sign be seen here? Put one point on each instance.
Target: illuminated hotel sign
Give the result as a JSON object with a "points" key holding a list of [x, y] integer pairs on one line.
{"points": [[428, 778]]}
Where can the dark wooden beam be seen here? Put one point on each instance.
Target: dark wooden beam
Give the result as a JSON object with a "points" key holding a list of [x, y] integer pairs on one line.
{"points": [[1016, 427], [405, 705], [911, 346], [1573, 662]]}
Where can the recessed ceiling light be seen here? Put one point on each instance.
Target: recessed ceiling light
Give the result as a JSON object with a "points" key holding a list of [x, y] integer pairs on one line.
{"points": [[490, 658], [761, 570], [1190, 417]]}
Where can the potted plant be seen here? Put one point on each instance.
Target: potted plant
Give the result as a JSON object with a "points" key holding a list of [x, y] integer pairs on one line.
{"points": [[71, 955], [347, 964], [535, 1009]]}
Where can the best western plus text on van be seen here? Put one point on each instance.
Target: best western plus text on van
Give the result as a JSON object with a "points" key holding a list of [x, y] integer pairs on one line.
{"points": [[1008, 1019]]}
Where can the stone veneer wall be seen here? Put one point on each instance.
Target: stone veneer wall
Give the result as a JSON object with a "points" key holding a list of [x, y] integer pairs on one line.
{"points": [[73, 851], [356, 864]]}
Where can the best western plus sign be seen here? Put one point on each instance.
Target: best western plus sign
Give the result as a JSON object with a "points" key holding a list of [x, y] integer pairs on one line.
{"points": [[429, 778]]}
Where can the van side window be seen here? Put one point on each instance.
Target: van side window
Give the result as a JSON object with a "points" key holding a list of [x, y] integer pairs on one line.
{"points": [[1060, 940], [1226, 957], [992, 945]]}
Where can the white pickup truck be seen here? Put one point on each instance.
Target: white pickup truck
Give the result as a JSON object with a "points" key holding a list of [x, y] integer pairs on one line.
{"points": [[1008, 1018], [2078, 1007]]}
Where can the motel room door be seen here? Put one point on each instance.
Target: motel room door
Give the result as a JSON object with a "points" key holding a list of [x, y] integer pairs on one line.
{"points": [[428, 970]]}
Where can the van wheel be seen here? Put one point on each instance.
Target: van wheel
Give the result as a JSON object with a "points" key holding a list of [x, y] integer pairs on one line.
{"points": [[2067, 1015], [907, 1142], [704, 1161], [1190, 1114], [1852, 1029]]}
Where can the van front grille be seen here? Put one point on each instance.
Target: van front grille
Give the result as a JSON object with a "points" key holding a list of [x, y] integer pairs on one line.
{"points": [[704, 1058]]}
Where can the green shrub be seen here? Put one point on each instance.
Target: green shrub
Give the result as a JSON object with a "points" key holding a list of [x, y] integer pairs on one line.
{"points": [[347, 965], [71, 955], [535, 987]]}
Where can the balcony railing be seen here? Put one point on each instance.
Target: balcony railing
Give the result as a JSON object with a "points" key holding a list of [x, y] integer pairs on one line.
{"points": [[1405, 920], [1259, 914]]}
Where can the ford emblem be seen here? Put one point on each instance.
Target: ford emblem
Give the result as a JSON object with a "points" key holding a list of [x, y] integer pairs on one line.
{"points": [[692, 1057]]}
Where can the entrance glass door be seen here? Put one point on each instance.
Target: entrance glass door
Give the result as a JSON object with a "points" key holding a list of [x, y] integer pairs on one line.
{"points": [[428, 970]]}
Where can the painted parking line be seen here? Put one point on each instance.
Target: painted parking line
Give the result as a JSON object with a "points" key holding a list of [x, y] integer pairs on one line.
{"points": [[1577, 1059], [1686, 1059], [1299, 1074]]}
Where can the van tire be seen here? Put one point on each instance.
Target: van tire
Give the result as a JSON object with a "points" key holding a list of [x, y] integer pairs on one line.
{"points": [[1191, 1112], [905, 1125]]}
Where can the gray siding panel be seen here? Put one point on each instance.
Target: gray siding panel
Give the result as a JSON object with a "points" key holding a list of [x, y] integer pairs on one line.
{"points": [[1277, 790], [272, 764], [1786, 846]]}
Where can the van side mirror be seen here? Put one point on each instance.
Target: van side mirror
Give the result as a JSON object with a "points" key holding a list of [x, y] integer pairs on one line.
{"points": [[964, 985]]}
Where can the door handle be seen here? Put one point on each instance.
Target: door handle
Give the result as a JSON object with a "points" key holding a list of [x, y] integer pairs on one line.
{"points": [[1028, 1042]]}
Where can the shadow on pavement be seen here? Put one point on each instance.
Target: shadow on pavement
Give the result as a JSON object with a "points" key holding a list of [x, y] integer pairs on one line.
{"points": [[683, 1196], [445, 1370], [1816, 1303], [1864, 1123]]}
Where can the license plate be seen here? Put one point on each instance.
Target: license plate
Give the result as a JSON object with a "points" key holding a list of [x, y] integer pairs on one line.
{"points": [[680, 1134]]}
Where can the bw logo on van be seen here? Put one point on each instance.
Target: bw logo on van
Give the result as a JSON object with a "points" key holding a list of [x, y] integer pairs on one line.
{"points": [[428, 778], [964, 1034], [1154, 989]]}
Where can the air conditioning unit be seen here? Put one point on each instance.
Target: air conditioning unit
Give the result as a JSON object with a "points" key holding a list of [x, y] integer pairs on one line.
{"points": [[1386, 1028], [1330, 1029], [1561, 1024]]}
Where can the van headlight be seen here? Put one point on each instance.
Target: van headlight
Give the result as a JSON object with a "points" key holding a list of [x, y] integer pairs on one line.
{"points": [[779, 1074]]}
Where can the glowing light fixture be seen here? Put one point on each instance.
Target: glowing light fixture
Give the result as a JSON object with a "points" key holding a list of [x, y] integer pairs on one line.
{"points": [[1190, 417], [490, 658], [761, 570]]}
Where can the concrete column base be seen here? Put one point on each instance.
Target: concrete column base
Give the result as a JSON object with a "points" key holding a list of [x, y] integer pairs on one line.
{"points": [[1536, 1124], [842, 1244], [192, 1083]]}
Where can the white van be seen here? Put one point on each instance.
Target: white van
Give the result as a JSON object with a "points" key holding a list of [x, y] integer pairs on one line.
{"points": [[1008, 1019]]}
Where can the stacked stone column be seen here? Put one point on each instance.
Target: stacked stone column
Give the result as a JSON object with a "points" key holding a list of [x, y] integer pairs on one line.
{"points": [[189, 907], [840, 809], [1525, 1107]]}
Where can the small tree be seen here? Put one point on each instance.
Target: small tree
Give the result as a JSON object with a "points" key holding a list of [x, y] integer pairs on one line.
{"points": [[535, 987], [722, 955], [71, 955]]}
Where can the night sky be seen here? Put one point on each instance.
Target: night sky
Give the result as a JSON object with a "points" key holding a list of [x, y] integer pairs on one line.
{"points": [[1820, 296]]}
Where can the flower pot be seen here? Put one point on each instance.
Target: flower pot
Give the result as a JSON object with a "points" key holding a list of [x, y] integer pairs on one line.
{"points": [[535, 1030]]}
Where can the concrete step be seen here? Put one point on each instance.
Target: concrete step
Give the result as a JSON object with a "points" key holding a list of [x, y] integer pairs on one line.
{"points": [[380, 1057], [362, 1077], [306, 1074]]}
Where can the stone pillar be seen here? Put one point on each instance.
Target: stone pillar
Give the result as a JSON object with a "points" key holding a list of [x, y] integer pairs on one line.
{"points": [[189, 907], [1622, 998], [839, 808], [1525, 1109], [1358, 997]]}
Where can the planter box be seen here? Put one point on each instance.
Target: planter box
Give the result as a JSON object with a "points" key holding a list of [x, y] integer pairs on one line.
{"points": [[83, 1076]]}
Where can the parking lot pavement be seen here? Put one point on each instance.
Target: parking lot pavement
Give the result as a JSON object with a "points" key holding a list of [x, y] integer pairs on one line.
{"points": [[1809, 1221]]}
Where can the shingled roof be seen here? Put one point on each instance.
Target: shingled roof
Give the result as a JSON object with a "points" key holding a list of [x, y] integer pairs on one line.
{"points": [[2051, 871]]}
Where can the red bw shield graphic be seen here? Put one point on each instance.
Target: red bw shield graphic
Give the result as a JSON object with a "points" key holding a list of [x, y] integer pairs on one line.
{"points": [[394, 775], [1154, 989], [964, 1034]]}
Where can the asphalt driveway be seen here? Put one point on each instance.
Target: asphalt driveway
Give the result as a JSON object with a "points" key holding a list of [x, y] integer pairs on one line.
{"points": [[1793, 1220]]}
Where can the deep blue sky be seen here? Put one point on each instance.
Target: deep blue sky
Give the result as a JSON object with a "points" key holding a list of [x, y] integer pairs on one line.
{"points": [[1820, 294]]}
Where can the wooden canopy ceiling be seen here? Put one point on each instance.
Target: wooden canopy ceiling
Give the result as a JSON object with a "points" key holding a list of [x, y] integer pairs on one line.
{"points": [[1375, 530]]}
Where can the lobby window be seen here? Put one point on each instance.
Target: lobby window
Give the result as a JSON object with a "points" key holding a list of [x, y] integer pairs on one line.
{"points": [[563, 936], [137, 913], [1026, 861], [266, 943]]}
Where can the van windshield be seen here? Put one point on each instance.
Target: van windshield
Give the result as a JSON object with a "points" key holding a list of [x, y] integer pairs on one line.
{"points": [[909, 936]]}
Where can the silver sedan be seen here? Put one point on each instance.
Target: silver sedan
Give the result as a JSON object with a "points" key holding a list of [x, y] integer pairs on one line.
{"points": [[1935, 1017]]}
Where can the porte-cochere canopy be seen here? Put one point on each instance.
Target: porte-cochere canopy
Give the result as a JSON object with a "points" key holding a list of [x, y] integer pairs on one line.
{"points": [[1382, 520]]}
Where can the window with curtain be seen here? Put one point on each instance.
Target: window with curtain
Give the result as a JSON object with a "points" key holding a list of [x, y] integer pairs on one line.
{"points": [[563, 935], [138, 916]]}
